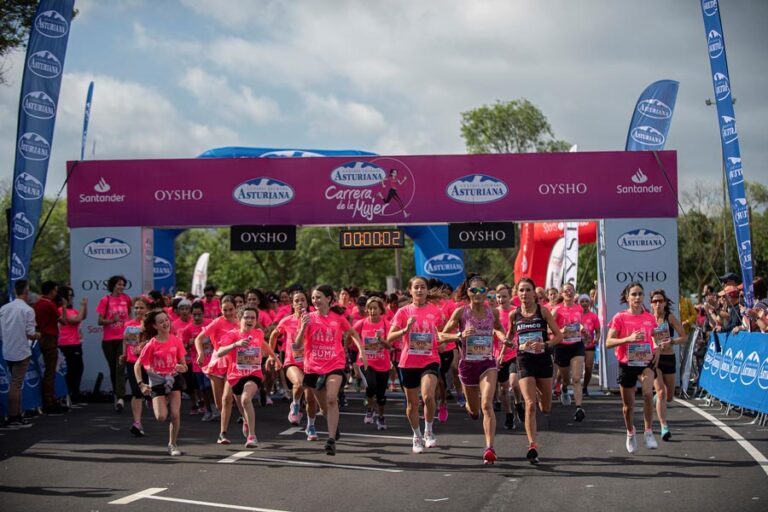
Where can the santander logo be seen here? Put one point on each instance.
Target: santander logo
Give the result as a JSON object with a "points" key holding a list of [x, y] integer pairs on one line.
{"points": [[639, 177], [102, 186]]}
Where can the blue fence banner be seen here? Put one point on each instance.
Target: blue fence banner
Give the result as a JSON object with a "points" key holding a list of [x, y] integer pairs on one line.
{"points": [[652, 117], [729, 139], [737, 373], [43, 69], [86, 118], [31, 391]]}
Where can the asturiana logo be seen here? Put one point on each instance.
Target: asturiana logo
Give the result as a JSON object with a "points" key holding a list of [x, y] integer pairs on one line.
{"points": [[749, 369], [654, 108], [641, 240], [27, 186], [22, 227], [32, 377], [34, 147], [39, 105], [162, 268], [722, 86], [107, 248], [709, 7], [715, 44], [44, 64], [762, 375], [647, 135], [358, 174], [738, 361], [476, 188], [51, 24], [741, 212], [745, 255], [444, 264], [728, 129], [725, 366], [18, 270], [5, 384], [263, 191], [733, 166]]}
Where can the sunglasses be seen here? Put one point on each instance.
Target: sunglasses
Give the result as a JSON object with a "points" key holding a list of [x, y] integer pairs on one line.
{"points": [[478, 290], [657, 301]]}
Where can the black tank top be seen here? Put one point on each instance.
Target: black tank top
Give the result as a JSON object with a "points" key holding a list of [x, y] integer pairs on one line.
{"points": [[531, 325]]}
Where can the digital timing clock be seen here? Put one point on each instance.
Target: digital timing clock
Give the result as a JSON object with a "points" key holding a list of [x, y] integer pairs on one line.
{"points": [[371, 239]]}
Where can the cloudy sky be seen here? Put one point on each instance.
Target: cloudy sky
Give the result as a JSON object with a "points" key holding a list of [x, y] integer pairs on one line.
{"points": [[177, 77]]}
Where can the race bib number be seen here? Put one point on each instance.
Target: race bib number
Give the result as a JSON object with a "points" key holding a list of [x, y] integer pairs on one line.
{"points": [[638, 354], [479, 348], [420, 343], [131, 335], [661, 333], [248, 359], [371, 346], [207, 347], [298, 353], [571, 333], [527, 339]]}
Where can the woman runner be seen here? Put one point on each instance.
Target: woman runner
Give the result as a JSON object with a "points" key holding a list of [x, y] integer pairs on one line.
{"points": [[569, 354], [71, 339], [507, 359], [133, 341], [372, 333], [591, 324]]}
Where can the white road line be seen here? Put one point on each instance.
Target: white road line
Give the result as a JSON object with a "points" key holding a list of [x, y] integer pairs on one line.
{"points": [[146, 493], [234, 457], [149, 494], [290, 431], [327, 465], [350, 434], [761, 460]]}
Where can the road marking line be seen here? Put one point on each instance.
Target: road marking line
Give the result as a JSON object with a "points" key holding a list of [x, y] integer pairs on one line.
{"points": [[351, 434], [234, 457], [290, 431], [761, 460], [324, 464], [139, 495]]}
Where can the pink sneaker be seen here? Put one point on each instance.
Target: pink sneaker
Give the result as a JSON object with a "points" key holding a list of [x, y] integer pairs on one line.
{"points": [[442, 413]]}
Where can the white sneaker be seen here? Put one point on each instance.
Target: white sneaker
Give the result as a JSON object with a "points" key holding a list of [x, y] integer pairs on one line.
{"points": [[430, 440], [368, 417], [173, 450], [631, 444], [650, 441], [565, 399], [418, 444]]}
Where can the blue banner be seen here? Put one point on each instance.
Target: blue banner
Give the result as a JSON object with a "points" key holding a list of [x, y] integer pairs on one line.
{"points": [[44, 66], [31, 391], [433, 257], [652, 117], [729, 139], [86, 118], [735, 369]]}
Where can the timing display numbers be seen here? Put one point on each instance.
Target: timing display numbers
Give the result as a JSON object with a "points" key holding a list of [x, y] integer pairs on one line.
{"points": [[371, 239]]}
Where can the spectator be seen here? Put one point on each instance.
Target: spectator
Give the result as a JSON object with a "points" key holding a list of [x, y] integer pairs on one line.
{"points": [[71, 338], [114, 311], [47, 317], [730, 314], [17, 325]]}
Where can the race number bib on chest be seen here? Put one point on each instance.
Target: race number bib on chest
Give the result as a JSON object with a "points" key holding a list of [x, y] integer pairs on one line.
{"points": [[420, 343], [248, 359], [479, 348]]}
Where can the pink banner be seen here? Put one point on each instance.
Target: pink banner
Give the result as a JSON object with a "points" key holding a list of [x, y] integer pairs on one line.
{"points": [[372, 190]]}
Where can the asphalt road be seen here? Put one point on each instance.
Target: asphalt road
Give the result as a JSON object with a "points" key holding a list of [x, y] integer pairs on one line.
{"points": [[86, 460]]}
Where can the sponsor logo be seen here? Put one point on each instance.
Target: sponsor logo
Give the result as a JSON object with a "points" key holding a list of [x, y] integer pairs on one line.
{"points": [[162, 268], [358, 174], [107, 248], [762, 375], [639, 178], [179, 195], [641, 240], [722, 86], [44, 64], [102, 187], [561, 189], [745, 254], [648, 136], [476, 188], [99, 285], [34, 147], [714, 44], [728, 129], [51, 24], [725, 366], [28, 187], [740, 212], [288, 153], [749, 369], [18, 270], [444, 264], [717, 359], [650, 276], [655, 109], [5, 383], [22, 227], [736, 365], [709, 7], [39, 105], [61, 366], [733, 166], [524, 265], [710, 356], [32, 377], [263, 191]]}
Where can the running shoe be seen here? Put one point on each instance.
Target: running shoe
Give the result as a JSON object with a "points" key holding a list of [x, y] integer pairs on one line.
{"points": [[223, 439], [269, 401], [579, 416], [251, 442], [208, 416], [245, 429], [215, 414], [461, 401], [119, 405], [509, 421], [565, 398], [239, 419], [489, 456], [294, 415], [173, 450], [533, 454], [430, 441], [442, 413], [368, 418], [666, 435], [330, 446], [631, 443], [137, 430], [381, 423], [18, 421], [311, 433], [418, 444], [650, 441]]}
